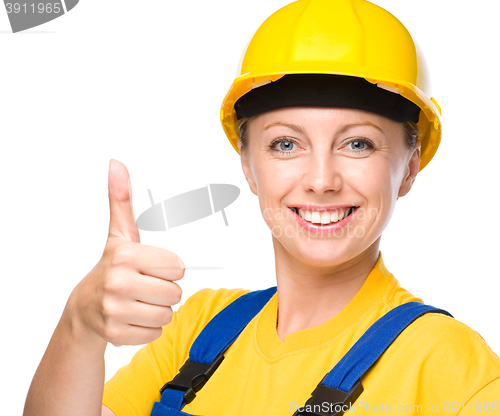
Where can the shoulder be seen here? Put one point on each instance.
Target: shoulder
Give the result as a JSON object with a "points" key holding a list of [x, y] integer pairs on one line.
{"points": [[449, 350], [444, 333], [437, 358]]}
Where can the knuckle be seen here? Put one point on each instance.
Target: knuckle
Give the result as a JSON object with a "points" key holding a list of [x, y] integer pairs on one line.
{"points": [[156, 334], [181, 273], [115, 283], [107, 309], [176, 274], [168, 316], [176, 266], [176, 294], [120, 256], [152, 334], [113, 334]]}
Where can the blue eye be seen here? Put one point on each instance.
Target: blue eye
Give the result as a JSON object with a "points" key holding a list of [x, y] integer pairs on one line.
{"points": [[286, 146], [283, 146], [358, 145]]}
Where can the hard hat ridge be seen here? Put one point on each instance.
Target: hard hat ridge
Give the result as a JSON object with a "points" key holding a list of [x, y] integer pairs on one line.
{"points": [[326, 90]]}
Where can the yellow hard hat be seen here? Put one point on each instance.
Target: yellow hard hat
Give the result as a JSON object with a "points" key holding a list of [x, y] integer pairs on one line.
{"points": [[343, 37]]}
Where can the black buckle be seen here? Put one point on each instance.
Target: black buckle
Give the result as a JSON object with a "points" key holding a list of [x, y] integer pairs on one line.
{"points": [[192, 377], [327, 401]]}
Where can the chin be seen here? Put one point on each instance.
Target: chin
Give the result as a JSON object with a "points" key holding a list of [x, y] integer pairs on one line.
{"points": [[323, 253]]}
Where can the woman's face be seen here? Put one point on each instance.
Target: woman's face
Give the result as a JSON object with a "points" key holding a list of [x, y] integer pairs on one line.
{"points": [[327, 178]]}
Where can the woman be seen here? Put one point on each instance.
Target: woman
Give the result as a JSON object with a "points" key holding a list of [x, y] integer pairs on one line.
{"points": [[332, 122]]}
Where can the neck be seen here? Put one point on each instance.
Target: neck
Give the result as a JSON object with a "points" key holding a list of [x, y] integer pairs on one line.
{"points": [[309, 296]]}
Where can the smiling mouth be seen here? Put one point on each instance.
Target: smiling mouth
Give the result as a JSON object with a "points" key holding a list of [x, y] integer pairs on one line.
{"points": [[323, 217]]}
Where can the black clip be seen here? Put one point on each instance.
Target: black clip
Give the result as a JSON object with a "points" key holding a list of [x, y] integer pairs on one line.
{"points": [[192, 377], [327, 401]]}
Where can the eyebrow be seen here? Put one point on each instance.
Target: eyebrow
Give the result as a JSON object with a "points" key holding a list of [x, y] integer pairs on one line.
{"points": [[351, 125], [342, 130], [291, 126]]}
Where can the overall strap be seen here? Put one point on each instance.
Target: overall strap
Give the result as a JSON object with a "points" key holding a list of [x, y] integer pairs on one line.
{"points": [[207, 351], [342, 385], [225, 327]]}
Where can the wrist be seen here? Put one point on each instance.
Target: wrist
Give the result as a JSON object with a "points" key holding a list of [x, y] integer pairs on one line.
{"points": [[74, 323]]}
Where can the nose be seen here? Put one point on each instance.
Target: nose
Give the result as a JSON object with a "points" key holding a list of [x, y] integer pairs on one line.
{"points": [[323, 173]]}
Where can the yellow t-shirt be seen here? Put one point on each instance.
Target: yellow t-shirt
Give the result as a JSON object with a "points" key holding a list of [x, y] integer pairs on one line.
{"points": [[437, 365]]}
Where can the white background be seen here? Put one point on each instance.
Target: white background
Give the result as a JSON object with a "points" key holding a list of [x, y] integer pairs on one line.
{"points": [[143, 82]]}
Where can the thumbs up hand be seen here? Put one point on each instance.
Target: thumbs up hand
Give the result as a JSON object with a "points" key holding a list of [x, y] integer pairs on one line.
{"points": [[121, 214], [126, 298]]}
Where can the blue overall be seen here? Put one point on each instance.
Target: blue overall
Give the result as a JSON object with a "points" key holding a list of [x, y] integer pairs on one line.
{"points": [[340, 387]]}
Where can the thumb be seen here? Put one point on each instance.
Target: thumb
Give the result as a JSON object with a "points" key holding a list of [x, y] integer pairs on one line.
{"points": [[121, 214]]}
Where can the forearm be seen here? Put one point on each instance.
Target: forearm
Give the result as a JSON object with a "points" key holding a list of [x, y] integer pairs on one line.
{"points": [[70, 377]]}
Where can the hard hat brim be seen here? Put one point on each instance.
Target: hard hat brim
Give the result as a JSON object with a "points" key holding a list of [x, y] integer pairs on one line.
{"points": [[429, 122]]}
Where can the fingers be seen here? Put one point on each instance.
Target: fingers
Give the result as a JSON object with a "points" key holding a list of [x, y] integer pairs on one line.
{"points": [[134, 335], [154, 291], [158, 262], [145, 259], [122, 314], [121, 215], [148, 316]]}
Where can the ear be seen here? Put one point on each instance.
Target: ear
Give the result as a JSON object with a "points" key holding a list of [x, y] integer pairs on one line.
{"points": [[412, 168], [247, 171]]}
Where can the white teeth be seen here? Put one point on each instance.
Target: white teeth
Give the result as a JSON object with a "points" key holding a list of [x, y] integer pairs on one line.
{"points": [[305, 214], [324, 217]]}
